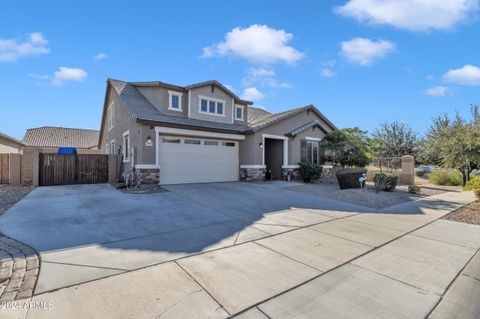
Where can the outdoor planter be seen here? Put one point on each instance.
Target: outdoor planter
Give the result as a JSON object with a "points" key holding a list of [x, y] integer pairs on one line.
{"points": [[384, 182], [350, 177]]}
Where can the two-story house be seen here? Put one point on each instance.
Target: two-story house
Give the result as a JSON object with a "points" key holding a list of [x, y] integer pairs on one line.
{"points": [[204, 133]]}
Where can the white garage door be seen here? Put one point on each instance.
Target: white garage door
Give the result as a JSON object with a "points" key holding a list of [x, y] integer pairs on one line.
{"points": [[197, 160]]}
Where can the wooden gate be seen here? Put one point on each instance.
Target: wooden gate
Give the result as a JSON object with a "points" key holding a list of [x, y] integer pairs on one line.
{"points": [[4, 168], [61, 169]]}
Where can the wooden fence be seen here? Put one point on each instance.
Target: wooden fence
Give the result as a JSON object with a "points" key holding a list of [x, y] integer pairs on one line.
{"points": [[60, 169], [4, 168]]}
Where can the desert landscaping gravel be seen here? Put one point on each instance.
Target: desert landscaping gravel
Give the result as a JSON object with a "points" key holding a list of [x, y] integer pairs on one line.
{"points": [[9, 195], [368, 197], [469, 214]]}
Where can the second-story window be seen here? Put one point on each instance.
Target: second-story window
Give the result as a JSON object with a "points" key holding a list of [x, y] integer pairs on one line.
{"points": [[239, 112], [212, 106], [175, 101], [110, 119]]}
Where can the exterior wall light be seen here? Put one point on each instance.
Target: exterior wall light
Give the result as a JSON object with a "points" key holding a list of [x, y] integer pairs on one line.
{"points": [[260, 145]]}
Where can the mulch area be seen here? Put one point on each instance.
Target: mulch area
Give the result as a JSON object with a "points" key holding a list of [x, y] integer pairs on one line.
{"points": [[469, 214], [9, 195], [144, 189]]}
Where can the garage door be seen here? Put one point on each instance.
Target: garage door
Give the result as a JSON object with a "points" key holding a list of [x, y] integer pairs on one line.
{"points": [[197, 160]]}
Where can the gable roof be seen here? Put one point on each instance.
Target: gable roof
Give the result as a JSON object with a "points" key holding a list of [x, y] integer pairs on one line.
{"points": [[306, 126], [5, 136], [262, 121], [255, 112], [50, 136]]}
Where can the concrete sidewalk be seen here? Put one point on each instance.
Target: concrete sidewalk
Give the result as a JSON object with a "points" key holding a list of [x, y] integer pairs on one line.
{"points": [[394, 263]]}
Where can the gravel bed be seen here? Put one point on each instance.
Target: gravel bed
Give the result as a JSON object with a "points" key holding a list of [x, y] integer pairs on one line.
{"points": [[9, 195], [368, 197], [469, 214]]}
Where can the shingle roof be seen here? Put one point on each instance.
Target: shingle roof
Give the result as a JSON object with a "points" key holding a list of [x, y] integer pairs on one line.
{"points": [[141, 109], [270, 119], [49, 136], [255, 112], [304, 127]]}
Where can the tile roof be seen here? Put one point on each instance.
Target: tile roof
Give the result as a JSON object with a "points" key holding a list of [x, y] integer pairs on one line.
{"points": [[49, 136], [255, 112], [141, 109], [305, 126]]}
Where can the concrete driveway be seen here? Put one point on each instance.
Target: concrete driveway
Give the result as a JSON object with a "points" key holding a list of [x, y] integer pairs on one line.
{"points": [[216, 250]]}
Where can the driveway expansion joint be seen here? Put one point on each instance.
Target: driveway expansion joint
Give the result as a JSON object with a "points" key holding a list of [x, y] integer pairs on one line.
{"points": [[19, 268]]}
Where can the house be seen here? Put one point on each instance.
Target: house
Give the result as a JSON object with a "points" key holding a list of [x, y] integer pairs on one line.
{"points": [[9, 144], [48, 139], [204, 133]]}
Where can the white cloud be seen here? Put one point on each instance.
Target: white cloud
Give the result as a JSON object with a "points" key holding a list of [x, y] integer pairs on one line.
{"points": [[252, 94], [327, 73], [100, 56], [258, 44], [437, 91], [364, 51], [415, 15], [466, 75], [65, 74], [430, 77], [264, 76], [12, 50], [42, 77]]}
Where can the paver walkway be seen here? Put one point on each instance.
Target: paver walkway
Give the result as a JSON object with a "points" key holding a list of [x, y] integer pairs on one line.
{"points": [[302, 262]]}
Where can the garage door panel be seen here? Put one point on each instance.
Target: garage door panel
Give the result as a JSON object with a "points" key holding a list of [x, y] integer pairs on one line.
{"points": [[192, 163]]}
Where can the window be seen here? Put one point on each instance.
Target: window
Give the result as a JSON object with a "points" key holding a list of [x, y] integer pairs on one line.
{"points": [[193, 142], [171, 140], [107, 148], [112, 147], [110, 119], [174, 101], [239, 109], [312, 152], [126, 146], [212, 106], [228, 144], [213, 143]]}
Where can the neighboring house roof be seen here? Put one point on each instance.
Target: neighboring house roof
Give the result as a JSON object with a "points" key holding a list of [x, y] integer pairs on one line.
{"points": [[50, 136], [14, 140], [301, 128], [266, 120], [141, 109]]}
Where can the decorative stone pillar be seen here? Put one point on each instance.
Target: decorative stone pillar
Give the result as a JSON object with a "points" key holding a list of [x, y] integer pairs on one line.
{"points": [[148, 174], [291, 173], [408, 170]]}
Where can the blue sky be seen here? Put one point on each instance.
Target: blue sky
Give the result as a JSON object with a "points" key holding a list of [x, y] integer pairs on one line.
{"points": [[361, 62]]}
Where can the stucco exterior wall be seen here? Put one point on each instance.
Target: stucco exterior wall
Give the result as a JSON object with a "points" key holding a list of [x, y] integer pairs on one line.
{"points": [[123, 122], [8, 146], [218, 94], [159, 97], [252, 154]]}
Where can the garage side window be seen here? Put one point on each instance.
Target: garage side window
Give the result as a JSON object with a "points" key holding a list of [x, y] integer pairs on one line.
{"points": [[312, 152], [126, 146]]}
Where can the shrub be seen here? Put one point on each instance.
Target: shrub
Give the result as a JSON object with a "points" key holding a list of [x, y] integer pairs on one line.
{"points": [[414, 189], [350, 177], [448, 178], [309, 172], [477, 193], [420, 172], [385, 182], [472, 184]]}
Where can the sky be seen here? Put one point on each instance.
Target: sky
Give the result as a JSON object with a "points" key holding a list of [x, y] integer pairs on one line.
{"points": [[360, 62]]}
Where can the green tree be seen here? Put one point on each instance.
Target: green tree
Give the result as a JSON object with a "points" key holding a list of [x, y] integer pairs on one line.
{"points": [[345, 147], [455, 143], [394, 139]]}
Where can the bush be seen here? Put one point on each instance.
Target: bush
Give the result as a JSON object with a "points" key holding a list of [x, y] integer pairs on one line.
{"points": [[385, 182], [310, 172], [448, 178], [477, 193], [414, 189], [420, 172], [350, 177], [472, 184]]}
